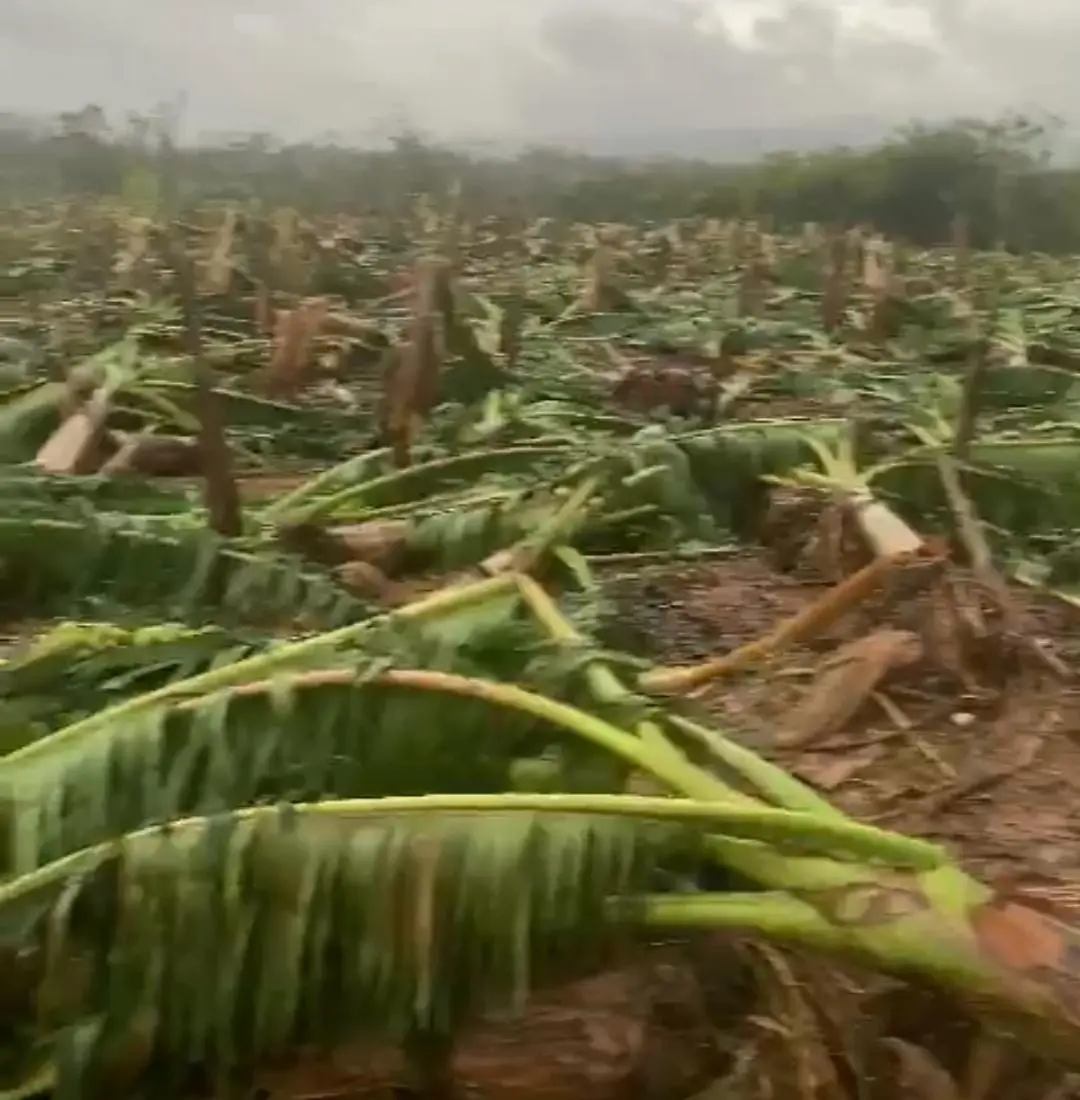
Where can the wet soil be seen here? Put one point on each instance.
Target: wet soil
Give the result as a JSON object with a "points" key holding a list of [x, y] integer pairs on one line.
{"points": [[994, 773], [991, 769]]}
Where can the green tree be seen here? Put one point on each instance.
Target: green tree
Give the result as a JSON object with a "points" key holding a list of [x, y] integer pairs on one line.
{"points": [[997, 172]]}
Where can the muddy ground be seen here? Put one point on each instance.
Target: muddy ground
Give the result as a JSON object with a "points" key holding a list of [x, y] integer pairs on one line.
{"points": [[984, 760], [991, 768]]}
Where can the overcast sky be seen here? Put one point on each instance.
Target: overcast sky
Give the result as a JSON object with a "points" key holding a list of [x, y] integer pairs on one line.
{"points": [[525, 70]]}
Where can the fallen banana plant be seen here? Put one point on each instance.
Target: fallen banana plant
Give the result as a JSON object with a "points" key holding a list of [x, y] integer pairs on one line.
{"points": [[398, 916]]}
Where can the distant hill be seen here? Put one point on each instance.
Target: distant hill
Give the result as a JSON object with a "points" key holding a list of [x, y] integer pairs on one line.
{"points": [[724, 144], [721, 145]]}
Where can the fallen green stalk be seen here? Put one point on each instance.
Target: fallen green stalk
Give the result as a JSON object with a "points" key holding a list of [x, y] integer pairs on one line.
{"points": [[924, 919], [759, 825], [465, 467]]}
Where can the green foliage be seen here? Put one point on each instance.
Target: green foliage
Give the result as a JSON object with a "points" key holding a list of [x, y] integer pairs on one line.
{"points": [[76, 669], [225, 941], [58, 559], [910, 186], [295, 737]]}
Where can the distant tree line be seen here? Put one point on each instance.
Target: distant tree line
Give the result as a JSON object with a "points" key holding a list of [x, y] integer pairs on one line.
{"points": [[998, 175]]}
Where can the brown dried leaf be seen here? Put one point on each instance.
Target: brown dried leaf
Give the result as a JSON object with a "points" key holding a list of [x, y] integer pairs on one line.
{"points": [[222, 498], [829, 771], [752, 288], [132, 259], [647, 387], [220, 494], [857, 237], [511, 324], [738, 236], [846, 682], [380, 543], [804, 1052], [601, 292], [770, 253], [876, 268], [264, 313], [287, 253], [598, 275], [961, 248]]}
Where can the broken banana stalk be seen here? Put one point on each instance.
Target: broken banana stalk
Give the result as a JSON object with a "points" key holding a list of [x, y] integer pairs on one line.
{"points": [[809, 622]]}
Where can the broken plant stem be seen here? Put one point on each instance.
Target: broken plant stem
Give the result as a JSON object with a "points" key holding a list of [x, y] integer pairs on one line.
{"points": [[885, 532], [931, 941], [607, 688], [982, 563], [967, 522], [351, 468], [936, 940], [464, 466], [220, 494], [940, 925], [971, 396], [774, 784], [808, 622]]}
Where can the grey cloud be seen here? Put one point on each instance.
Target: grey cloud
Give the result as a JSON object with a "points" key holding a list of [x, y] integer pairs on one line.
{"points": [[621, 72]]}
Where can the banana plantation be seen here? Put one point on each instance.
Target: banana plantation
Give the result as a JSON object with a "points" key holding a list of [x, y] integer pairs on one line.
{"points": [[503, 661]]}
